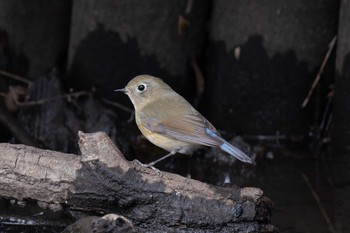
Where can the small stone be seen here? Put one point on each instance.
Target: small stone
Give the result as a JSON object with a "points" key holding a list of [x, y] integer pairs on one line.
{"points": [[43, 205], [251, 193], [22, 203], [55, 207]]}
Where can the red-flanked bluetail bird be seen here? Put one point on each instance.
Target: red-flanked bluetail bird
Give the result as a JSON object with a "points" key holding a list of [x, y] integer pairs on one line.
{"points": [[167, 120]]}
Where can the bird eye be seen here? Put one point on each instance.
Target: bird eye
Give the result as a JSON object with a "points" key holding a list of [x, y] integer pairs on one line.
{"points": [[141, 88]]}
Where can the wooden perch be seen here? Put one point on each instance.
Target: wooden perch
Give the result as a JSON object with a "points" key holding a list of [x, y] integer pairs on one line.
{"points": [[101, 180]]}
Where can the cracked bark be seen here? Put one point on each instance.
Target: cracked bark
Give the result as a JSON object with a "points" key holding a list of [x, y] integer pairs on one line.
{"points": [[101, 180]]}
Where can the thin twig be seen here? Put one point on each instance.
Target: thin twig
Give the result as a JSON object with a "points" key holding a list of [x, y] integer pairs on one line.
{"points": [[118, 105], [324, 62], [16, 77], [131, 118], [326, 113], [182, 24], [200, 82], [65, 96], [189, 7], [323, 211], [122, 107]]}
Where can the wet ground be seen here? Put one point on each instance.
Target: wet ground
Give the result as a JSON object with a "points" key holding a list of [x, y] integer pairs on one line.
{"points": [[295, 186], [310, 195]]}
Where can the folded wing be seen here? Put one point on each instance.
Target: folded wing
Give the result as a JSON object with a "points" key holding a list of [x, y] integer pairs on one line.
{"points": [[194, 128]]}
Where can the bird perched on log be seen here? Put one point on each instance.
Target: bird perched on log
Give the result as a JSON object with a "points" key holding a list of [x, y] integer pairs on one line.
{"points": [[167, 120]]}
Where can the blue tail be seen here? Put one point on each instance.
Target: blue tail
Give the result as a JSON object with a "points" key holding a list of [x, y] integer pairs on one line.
{"points": [[226, 146], [234, 151]]}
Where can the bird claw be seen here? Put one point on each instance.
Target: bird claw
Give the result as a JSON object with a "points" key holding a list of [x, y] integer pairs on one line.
{"points": [[150, 165]]}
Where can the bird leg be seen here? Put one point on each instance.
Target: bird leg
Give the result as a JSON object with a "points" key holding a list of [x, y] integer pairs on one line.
{"points": [[151, 165], [161, 158]]}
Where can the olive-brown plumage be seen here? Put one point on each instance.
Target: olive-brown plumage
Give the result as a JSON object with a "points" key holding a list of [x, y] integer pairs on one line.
{"points": [[170, 122]]}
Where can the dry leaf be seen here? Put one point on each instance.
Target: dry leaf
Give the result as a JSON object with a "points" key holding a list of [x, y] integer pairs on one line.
{"points": [[181, 24], [12, 97]]}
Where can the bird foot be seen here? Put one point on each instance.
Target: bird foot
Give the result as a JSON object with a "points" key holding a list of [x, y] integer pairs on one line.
{"points": [[150, 165]]}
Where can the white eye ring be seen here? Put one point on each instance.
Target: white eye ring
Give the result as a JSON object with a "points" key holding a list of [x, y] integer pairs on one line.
{"points": [[141, 87]]}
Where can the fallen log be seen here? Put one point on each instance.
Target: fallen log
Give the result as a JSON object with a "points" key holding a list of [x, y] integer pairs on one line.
{"points": [[100, 180]]}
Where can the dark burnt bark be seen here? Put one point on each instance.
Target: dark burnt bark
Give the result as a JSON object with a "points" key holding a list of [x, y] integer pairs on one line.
{"points": [[101, 180]]}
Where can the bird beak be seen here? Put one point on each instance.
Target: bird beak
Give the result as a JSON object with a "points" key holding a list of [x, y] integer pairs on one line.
{"points": [[122, 90]]}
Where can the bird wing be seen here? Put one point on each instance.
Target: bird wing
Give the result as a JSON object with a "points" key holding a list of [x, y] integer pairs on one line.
{"points": [[182, 122], [189, 128]]}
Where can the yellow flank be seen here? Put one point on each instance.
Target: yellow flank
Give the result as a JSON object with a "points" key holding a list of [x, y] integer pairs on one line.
{"points": [[164, 142]]}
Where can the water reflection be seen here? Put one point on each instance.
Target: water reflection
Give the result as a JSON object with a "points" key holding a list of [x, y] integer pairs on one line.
{"points": [[283, 180]]}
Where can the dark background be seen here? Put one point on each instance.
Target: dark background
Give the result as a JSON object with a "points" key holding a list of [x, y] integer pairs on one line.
{"points": [[246, 65]]}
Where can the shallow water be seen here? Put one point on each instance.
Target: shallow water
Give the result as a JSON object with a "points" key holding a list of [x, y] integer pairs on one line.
{"points": [[294, 184]]}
